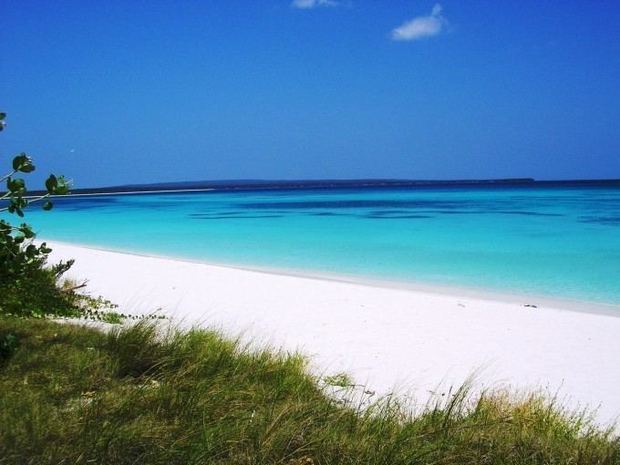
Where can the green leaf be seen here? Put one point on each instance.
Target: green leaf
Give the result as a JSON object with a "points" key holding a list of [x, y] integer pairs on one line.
{"points": [[51, 183], [23, 163], [62, 186], [19, 202], [26, 231], [47, 205], [18, 160], [15, 185]]}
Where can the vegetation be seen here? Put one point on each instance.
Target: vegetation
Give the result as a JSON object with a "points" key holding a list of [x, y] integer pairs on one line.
{"points": [[76, 395], [27, 286]]}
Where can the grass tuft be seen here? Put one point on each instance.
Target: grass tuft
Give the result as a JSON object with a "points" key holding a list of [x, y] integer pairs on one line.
{"points": [[74, 395]]}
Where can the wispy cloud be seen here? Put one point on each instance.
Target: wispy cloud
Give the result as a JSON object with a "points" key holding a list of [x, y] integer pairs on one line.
{"points": [[308, 4], [421, 26]]}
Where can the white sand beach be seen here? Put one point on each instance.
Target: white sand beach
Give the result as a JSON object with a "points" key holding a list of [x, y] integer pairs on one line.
{"points": [[414, 342]]}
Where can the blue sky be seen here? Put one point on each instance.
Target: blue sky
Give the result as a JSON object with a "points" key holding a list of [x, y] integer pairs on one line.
{"points": [[119, 92]]}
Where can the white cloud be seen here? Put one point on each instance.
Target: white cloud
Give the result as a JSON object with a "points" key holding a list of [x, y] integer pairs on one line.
{"points": [[421, 26], [308, 4]]}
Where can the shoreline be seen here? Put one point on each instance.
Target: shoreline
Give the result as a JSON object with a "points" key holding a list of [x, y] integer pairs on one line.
{"points": [[582, 306], [399, 341]]}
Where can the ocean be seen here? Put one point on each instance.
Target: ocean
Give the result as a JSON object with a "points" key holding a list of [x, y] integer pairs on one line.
{"points": [[557, 241]]}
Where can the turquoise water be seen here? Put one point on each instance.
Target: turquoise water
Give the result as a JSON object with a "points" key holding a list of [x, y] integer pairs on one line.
{"points": [[561, 242]]}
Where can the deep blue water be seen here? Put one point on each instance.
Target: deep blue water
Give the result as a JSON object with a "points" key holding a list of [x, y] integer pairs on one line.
{"points": [[561, 242]]}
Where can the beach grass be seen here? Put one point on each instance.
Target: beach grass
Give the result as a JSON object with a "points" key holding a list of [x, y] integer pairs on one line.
{"points": [[71, 394]]}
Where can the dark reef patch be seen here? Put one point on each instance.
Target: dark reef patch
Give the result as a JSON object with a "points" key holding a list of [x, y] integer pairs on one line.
{"points": [[197, 216], [347, 204], [604, 220], [525, 213], [394, 217]]}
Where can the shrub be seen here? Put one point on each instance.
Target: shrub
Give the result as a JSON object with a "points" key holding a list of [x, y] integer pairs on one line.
{"points": [[27, 287]]}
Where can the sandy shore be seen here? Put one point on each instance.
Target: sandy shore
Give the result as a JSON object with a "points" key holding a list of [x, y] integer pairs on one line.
{"points": [[414, 342]]}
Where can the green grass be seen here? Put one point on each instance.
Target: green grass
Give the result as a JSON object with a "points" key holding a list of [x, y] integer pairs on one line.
{"points": [[70, 394]]}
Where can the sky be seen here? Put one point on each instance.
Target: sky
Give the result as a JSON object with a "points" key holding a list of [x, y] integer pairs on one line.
{"points": [[118, 92]]}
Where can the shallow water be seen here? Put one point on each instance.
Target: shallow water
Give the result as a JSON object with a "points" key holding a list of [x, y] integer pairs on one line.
{"points": [[561, 242]]}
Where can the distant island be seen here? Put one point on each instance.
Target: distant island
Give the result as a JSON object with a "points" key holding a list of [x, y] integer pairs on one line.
{"points": [[260, 184]]}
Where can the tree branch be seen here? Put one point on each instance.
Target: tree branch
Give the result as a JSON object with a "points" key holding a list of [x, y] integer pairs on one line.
{"points": [[7, 176]]}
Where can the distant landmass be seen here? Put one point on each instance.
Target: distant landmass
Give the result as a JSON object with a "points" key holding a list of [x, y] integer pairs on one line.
{"points": [[260, 184]]}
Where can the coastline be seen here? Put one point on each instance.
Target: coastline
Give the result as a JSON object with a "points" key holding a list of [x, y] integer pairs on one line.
{"points": [[519, 298], [388, 338]]}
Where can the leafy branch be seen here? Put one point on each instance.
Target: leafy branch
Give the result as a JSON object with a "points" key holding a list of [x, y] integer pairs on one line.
{"points": [[20, 258]]}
